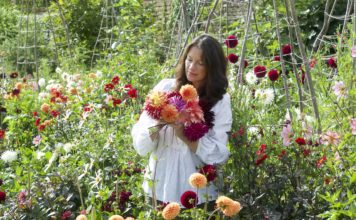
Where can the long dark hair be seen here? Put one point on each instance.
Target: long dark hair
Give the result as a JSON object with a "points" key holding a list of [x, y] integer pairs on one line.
{"points": [[216, 82]]}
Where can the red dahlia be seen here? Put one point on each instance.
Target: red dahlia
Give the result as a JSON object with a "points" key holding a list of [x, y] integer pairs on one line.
{"points": [[300, 141]]}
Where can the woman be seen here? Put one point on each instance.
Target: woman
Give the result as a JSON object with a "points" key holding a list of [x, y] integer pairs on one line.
{"points": [[173, 158]]}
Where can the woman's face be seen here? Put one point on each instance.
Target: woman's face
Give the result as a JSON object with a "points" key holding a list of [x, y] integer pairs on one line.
{"points": [[195, 68]]}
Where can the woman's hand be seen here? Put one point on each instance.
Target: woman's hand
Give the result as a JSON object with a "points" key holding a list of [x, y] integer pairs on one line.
{"points": [[179, 131]]}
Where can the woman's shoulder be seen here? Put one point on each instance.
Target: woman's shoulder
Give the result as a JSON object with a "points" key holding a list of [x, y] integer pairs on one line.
{"points": [[165, 85], [223, 102]]}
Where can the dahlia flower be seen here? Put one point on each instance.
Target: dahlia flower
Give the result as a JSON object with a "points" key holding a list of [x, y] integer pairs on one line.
{"points": [[189, 199], [209, 171], [116, 217], [340, 89], [81, 217], [198, 180], [231, 41], [171, 211], [188, 93], [195, 131], [260, 71], [228, 206], [9, 156], [169, 113]]}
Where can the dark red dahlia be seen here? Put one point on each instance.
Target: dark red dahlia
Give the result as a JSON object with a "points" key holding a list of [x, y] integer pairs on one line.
{"points": [[15, 92], [195, 131], [189, 199], [231, 41], [286, 49], [233, 58], [2, 196], [115, 80], [260, 71], [273, 75], [245, 63], [66, 215], [300, 141], [55, 113], [14, 75], [208, 114], [125, 196], [276, 58], [332, 62], [306, 152], [209, 171], [38, 121], [132, 93]]}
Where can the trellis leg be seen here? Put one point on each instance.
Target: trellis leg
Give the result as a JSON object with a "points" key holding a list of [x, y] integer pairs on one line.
{"points": [[295, 69], [210, 15], [324, 28], [347, 14], [282, 59], [305, 62], [242, 56]]}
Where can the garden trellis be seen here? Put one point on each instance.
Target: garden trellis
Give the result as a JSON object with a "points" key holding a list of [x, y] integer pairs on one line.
{"points": [[105, 39], [35, 35], [66, 148]]}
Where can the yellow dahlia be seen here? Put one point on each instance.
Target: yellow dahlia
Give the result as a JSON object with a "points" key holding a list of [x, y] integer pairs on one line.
{"points": [[157, 99], [171, 211], [188, 93], [198, 180], [169, 113]]}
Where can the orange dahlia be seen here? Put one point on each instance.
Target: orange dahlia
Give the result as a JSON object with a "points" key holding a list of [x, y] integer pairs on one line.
{"points": [[81, 217], [171, 211], [116, 217], [188, 93], [169, 113], [198, 180], [45, 107], [228, 206]]}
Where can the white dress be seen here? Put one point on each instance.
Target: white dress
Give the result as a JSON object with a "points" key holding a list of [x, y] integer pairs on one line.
{"points": [[173, 159]]}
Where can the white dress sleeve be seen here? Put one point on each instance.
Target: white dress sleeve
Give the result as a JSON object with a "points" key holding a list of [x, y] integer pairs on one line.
{"points": [[212, 147], [142, 141]]}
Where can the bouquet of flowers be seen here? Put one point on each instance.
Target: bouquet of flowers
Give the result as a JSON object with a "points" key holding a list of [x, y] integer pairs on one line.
{"points": [[181, 107]]}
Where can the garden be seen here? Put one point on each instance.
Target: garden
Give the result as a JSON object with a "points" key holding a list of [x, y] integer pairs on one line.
{"points": [[75, 76]]}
